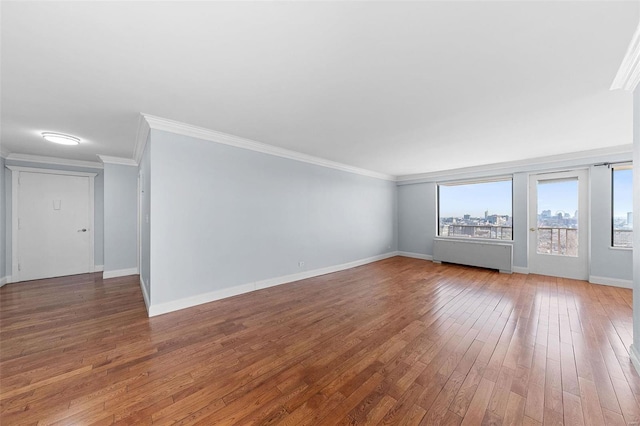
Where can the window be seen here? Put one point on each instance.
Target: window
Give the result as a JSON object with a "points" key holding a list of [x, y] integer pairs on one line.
{"points": [[622, 206], [558, 216], [475, 209]]}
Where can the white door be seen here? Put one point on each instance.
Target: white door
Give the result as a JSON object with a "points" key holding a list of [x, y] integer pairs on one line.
{"points": [[54, 221], [558, 224]]}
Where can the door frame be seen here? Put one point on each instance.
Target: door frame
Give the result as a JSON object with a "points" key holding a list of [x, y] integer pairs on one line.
{"points": [[583, 188], [15, 187]]}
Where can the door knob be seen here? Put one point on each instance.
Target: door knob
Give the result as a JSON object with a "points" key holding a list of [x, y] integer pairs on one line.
{"points": [[532, 229], [82, 230]]}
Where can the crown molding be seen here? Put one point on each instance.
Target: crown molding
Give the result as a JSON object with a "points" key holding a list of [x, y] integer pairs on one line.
{"points": [[628, 74], [3, 153], [163, 124], [572, 159], [141, 138], [54, 160], [578, 158], [50, 171], [117, 160]]}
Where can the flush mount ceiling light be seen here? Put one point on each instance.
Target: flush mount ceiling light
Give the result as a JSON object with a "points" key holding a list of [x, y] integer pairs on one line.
{"points": [[60, 138]]}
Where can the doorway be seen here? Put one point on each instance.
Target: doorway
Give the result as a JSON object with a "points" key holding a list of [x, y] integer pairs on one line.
{"points": [[558, 224], [52, 222]]}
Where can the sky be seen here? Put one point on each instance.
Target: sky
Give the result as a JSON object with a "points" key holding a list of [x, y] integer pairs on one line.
{"points": [[474, 199], [558, 196], [622, 192]]}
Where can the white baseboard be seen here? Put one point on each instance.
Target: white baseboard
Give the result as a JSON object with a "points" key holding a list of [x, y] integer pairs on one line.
{"points": [[614, 282], [5, 280], [187, 302], [119, 273], [321, 271], [415, 255], [98, 268], [145, 295], [520, 270], [635, 358]]}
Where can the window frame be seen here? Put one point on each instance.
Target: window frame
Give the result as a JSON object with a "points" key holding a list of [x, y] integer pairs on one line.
{"points": [[619, 166], [461, 182]]}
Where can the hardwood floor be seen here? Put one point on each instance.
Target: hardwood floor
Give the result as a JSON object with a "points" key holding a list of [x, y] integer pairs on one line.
{"points": [[400, 341]]}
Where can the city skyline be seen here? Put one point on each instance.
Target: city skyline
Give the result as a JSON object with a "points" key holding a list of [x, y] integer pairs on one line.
{"points": [[495, 197], [558, 196], [475, 199]]}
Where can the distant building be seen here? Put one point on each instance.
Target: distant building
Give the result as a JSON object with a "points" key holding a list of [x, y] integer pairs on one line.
{"points": [[467, 216], [495, 219], [546, 213], [486, 214], [630, 218]]}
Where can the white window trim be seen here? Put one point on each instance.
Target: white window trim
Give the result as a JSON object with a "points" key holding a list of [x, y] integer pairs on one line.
{"points": [[458, 182]]}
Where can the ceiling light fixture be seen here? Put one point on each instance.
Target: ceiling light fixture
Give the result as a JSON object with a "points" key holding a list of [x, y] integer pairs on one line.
{"points": [[60, 138]]}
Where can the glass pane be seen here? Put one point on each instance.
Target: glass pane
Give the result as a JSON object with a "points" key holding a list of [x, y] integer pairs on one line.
{"points": [[475, 210], [622, 207], [558, 217]]}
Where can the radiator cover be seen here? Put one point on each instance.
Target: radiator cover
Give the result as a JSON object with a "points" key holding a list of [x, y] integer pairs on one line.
{"points": [[485, 254]]}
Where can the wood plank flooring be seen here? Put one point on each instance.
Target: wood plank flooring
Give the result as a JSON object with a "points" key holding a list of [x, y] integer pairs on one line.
{"points": [[400, 341]]}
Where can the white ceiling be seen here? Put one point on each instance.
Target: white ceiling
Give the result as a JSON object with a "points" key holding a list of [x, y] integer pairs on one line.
{"points": [[393, 87]]}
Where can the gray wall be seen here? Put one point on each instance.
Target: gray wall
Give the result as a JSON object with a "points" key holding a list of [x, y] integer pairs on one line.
{"points": [[417, 213], [120, 217], [98, 207], [417, 218], [145, 214], [520, 220], [3, 223], [226, 216]]}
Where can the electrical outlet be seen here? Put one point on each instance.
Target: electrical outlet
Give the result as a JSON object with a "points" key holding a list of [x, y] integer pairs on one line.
{"points": [[300, 264]]}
